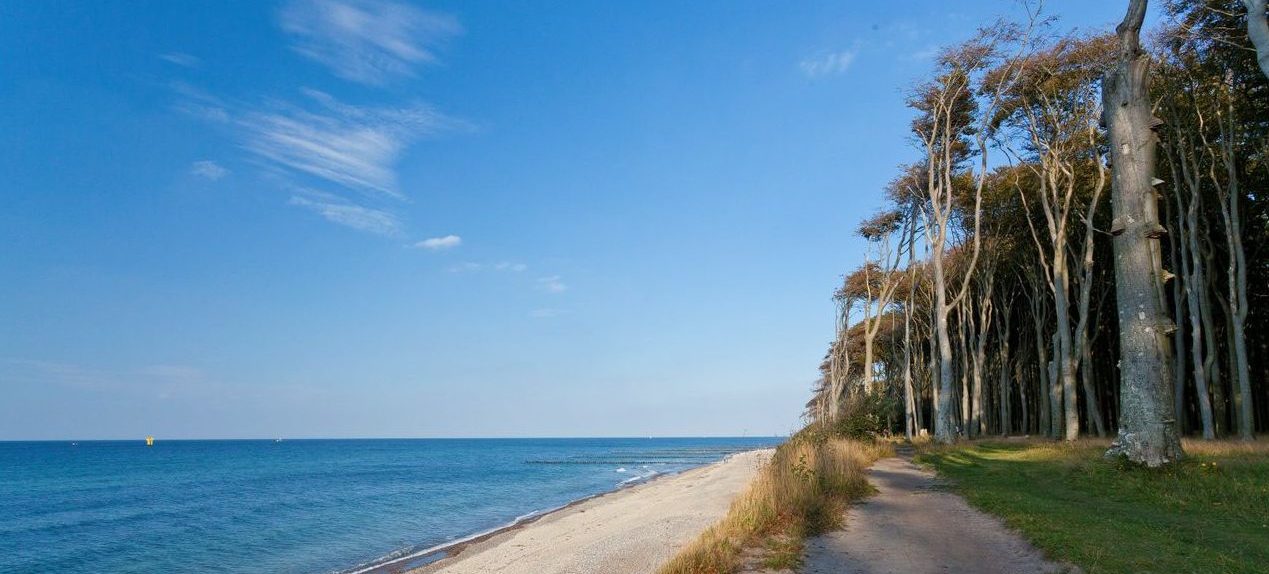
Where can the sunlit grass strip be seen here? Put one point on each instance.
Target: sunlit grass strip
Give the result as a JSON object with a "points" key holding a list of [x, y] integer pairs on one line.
{"points": [[803, 490], [1209, 513]]}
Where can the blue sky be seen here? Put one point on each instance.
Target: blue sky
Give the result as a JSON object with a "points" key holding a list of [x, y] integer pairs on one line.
{"points": [[339, 218]]}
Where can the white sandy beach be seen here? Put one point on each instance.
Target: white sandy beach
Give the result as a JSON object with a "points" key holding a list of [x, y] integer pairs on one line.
{"points": [[629, 531]]}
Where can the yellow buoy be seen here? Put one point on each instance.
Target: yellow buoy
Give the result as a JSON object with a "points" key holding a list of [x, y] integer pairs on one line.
{"points": [[149, 441]]}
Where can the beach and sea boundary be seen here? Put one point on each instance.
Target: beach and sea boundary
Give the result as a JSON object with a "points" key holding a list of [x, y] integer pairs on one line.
{"points": [[630, 530]]}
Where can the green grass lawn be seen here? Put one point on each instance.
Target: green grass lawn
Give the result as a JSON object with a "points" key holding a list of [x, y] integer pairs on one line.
{"points": [[1208, 514]]}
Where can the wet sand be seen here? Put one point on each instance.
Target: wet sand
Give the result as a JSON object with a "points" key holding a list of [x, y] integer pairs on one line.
{"points": [[631, 531]]}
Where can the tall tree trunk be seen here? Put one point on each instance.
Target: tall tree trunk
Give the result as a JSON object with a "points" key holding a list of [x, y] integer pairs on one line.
{"points": [[1055, 392], [1065, 355], [909, 411], [868, 362], [1177, 250], [1236, 270], [1042, 369], [909, 403], [937, 408], [1022, 397], [1214, 380], [983, 330], [964, 317], [1192, 269], [1147, 427], [1003, 387], [1258, 32], [1091, 403], [945, 427], [1090, 388]]}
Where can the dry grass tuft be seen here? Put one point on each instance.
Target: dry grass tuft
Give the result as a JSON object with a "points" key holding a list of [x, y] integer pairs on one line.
{"points": [[1228, 447], [802, 491]]}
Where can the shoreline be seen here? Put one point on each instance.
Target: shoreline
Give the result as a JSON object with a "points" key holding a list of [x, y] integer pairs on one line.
{"points": [[434, 557], [629, 530], [440, 552]]}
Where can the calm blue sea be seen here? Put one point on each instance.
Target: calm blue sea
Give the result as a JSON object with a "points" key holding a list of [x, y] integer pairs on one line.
{"points": [[302, 506]]}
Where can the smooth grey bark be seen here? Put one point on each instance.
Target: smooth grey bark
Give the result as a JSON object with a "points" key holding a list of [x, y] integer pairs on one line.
{"points": [[940, 169], [967, 373], [1192, 271], [1064, 355], [936, 378], [963, 320], [1022, 398], [1042, 359], [1205, 290], [1090, 388], [945, 425], [1056, 197], [909, 407], [1003, 385], [978, 419], [1055, 392], [1223, 159], [1258, 32], [909, 403], [1092, 404], [1147, 424], [1236, 271], [1178, 298]]}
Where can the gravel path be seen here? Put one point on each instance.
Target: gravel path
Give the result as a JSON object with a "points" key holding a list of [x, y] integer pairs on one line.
{"points": [[630, 531], [912, 526]]}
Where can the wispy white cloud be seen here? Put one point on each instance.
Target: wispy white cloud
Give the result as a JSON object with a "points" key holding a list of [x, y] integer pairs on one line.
{"points": [[356, 147], [545, 313], [470, 266], [440, 243], [337, 159], [208, 169], [350, 150], [348, 214], [828, 64], [552, 284], [200, 104], [181, 59], [367, 41]]}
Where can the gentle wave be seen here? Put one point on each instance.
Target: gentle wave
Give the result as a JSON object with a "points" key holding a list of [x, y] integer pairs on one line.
{"points": [[300, 506]]}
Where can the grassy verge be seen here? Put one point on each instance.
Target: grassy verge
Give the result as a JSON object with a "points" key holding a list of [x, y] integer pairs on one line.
{"points": [[1208, 514], [803, 490]]}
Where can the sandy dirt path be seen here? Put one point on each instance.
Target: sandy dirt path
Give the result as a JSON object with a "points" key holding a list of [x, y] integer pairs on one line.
{"points": [[630, 531], [913, 526]]}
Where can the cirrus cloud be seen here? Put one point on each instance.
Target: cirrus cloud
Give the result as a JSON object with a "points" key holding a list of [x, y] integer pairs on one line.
{"points": [[353, 146], [829, 64], [208, 169], [336, 210], [552, 284], [366, 41]]}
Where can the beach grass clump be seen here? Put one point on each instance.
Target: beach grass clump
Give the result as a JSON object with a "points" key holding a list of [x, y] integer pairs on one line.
{"points": [[801, 491], [1207, 513]]}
